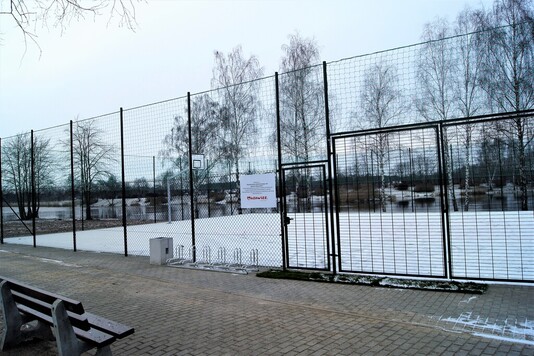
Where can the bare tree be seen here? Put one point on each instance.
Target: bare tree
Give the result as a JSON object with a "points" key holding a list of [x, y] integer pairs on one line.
{"points": [[92, 156], [437, 75], [382, 105], [206, 118], [235, 78], [436, 72], [424, 167], [17, 171], [27, 15], [509, 66], [468, 98], [301, 99], [302, 122], [140, 187], [508, 75], [110, 189]]}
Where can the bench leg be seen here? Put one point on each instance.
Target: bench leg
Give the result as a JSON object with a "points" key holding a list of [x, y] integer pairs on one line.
{"points": [[67, 342], [12, 319], [104, 351], [16, 327]]}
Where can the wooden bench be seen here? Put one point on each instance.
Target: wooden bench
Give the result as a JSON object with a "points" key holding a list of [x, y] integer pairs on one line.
{"points": [[31, 312]]}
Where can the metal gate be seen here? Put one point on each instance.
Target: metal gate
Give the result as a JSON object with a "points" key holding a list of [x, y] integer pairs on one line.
{"points": [[306, 215], [389, 202]]}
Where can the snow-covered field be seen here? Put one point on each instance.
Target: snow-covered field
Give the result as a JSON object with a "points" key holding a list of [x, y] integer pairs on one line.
{"points": [[487, 245], [493, 245], [249, 232]]}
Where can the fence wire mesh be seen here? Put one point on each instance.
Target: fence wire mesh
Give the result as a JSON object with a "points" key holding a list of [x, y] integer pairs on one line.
{"points": [[438, 198], [389, 203], [490, 198], [150, 174]]}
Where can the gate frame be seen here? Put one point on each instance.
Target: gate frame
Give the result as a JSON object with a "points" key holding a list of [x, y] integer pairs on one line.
{"points": [[436, 126], [439, 127], [323, 165]]}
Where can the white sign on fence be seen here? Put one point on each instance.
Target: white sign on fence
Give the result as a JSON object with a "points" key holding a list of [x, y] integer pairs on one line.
{"points": [[258, 190]]}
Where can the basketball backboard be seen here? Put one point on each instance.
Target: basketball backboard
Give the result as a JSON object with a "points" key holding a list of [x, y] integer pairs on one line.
{"points": [[198, 161]]}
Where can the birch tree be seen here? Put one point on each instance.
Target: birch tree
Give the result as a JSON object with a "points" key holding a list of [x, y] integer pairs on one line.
{"points": [[437, 72], [382, 106], [301, 99], [468, 94], [234, 77], [206, 120], [302, 122], [508, 76]]}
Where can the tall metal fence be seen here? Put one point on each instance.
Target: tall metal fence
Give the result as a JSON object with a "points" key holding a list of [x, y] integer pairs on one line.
{"points": [[448, 199], [372, 172]]}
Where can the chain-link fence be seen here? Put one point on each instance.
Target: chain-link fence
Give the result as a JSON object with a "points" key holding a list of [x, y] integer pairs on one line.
{"points": [[176, 168], [490, 179], [444, 199]]}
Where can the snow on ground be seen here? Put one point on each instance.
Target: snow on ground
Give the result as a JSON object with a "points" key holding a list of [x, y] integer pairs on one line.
{"points": [[493, 245], [392, 243], [245, 232], [505, 330], [487, 245]]}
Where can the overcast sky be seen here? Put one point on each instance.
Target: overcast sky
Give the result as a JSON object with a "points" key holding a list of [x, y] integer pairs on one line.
{"points": [[93, 68]]}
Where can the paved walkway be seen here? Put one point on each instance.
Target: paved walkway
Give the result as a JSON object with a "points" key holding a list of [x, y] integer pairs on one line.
{"points": [[188, 312]]}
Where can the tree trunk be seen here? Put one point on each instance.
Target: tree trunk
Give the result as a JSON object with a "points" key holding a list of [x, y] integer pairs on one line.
{"points": [[449, 172], [88, 215], [467, 164], [522, 165]]}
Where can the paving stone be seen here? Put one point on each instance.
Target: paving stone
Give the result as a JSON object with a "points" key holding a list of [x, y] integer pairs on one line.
{"points": [[187, 312]]}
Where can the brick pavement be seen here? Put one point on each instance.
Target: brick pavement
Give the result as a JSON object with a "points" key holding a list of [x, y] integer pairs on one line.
{"points": [[187, 312]]}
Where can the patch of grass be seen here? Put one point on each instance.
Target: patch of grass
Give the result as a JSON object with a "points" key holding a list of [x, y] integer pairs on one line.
{"points": [[296, 275], [376, 281]]}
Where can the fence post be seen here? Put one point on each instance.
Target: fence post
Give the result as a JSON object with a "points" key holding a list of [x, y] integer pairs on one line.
{"points": [[34, 205], [72, 189], [444, 192], [125, 229], [208, 193], [190, 141], [154, 186], [330, 168], [1, 199], [281, 188]]}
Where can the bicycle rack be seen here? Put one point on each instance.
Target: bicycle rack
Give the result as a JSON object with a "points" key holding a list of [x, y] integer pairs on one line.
{"points": [[220, 265]]}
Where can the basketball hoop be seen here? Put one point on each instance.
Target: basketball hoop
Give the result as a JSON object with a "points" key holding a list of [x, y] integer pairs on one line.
{"points": [[197, 161]]}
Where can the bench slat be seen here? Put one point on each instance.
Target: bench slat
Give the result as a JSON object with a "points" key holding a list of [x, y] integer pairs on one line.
{"points": [[92, 335], [35, 303], [79, 321], [111, 327], [37, 293]]}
